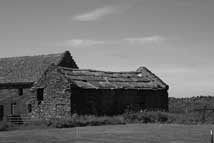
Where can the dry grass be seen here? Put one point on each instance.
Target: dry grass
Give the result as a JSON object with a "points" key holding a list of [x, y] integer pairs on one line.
{"points": [[134, 133]]}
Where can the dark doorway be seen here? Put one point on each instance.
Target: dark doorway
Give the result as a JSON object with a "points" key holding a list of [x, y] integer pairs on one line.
{"points": [[1, 112], [40, 95]]}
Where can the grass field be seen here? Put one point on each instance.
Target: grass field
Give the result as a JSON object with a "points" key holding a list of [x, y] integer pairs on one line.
{"points": [[131, 133]]}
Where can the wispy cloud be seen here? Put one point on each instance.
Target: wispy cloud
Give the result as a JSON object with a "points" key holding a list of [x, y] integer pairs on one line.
{"points": [[145, 40], [130, 41], [82, 43], [96, 14]]}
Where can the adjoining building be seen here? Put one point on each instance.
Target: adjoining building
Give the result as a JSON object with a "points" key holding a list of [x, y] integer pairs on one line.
{"points": [[52, 86]]}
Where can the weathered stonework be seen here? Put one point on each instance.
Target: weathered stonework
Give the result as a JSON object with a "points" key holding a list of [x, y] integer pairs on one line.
{"points": [[56, 103]]}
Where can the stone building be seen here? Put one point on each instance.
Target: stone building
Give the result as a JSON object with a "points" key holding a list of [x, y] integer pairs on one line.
{"points": [[64, 91], [18, 74], [52, 86]]}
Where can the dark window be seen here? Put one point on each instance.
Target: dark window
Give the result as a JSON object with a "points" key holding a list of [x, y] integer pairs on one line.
{"points": [[29, 108], [13, 107], [40, 93], [20, 91], [1, 112]]}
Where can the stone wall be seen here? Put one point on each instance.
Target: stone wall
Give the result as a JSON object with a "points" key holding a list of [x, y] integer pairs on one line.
{"points": [[56, 102]]}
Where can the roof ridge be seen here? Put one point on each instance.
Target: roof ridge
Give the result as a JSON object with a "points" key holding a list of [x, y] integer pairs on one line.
{"points": [[32, 55], [141, 68], [94, 70]]}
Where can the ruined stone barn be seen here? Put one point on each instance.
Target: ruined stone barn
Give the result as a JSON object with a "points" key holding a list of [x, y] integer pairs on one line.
{"points": [[17, 76], [83, 91], [50, 86]]}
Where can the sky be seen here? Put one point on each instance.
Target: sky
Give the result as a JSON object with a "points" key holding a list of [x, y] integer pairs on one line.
{"points": [[173, 38]]}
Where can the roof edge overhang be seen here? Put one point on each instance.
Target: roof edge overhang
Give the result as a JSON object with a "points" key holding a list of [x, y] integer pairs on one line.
{"points": [[11, 85], [145, 89]]}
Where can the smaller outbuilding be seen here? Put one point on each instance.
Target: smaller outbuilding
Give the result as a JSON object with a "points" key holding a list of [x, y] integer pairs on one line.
{"points": [[62, 92]]}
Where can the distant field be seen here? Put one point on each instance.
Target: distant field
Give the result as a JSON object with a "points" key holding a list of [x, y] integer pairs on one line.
{"points": [[131, 133]]}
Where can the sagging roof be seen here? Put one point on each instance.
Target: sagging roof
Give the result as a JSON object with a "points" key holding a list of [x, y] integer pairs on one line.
{"points": [[28, 69], [93, 79]]}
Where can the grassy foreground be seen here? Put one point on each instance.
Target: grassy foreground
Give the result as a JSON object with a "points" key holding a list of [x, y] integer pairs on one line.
{"points": [[130, 133]]}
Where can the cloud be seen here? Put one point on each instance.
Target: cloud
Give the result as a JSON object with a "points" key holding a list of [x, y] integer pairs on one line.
{"points": [[82, 43], [132, 41], [145, 40], [96, 14]]}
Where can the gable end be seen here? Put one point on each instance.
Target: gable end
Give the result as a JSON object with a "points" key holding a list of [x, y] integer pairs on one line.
{"points": [[67, 61]]}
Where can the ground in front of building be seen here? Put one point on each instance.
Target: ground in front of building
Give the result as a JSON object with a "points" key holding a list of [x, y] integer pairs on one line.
{"points": [[134, 133]]}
